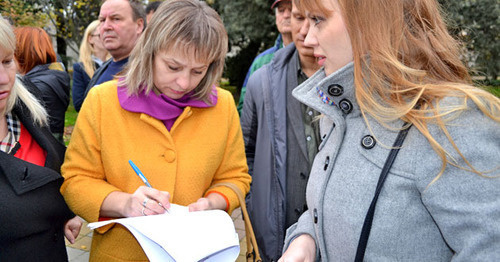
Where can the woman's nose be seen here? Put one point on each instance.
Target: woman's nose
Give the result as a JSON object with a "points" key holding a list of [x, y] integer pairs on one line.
{"points": [[310, 39], [184, 81], [4, 76]]}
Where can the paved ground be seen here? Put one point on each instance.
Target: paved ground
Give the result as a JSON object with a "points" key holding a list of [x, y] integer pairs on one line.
{"points": [[79, 252]]}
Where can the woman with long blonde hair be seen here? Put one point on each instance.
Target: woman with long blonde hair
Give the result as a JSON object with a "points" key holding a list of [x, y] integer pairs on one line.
{"points": [[33, 214], [92, 55], [408, 169]]}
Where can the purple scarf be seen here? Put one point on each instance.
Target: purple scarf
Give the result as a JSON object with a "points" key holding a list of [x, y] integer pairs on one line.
{"points": [[161, 106]]}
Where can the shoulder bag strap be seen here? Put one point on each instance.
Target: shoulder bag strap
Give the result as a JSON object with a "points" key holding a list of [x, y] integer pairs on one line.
{"points": [[367, 225]]}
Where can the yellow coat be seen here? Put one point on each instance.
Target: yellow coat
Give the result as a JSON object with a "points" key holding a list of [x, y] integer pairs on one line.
{"points": [[204, 146]]}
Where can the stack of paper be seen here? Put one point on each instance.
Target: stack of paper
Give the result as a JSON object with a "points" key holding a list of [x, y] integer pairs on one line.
{"points": [[181, 235]]}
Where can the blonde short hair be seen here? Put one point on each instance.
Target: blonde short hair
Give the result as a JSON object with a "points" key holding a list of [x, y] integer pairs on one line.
{"points": [[180, 25]]}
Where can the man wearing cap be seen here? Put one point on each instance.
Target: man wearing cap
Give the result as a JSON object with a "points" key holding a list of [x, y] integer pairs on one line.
{"points": [[283, 9], [281, 140]]}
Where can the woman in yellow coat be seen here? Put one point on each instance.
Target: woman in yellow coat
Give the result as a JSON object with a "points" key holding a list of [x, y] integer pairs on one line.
{"points": [[166, 115]]}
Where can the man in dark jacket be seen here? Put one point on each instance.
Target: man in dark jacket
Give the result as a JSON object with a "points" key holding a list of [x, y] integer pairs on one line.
{"points": [[281, 140], [122, 22]]}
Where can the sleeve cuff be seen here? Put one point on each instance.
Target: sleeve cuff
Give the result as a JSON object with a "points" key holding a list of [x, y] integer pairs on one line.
{"points": [[224, 196]]}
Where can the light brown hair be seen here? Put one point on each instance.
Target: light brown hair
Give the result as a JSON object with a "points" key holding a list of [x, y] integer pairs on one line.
{"points": [[180, 25], [405, 62]]}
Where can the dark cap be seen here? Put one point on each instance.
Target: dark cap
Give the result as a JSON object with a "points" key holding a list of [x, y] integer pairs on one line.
{"points": [[276, 2]]}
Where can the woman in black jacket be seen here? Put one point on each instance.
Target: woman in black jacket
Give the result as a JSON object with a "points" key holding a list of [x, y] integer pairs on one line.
{"points": [[33, 215], [37, 62]]}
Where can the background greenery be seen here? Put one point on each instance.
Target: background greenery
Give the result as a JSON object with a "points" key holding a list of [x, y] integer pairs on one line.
{"points": [[251, 29], [477, 24]]}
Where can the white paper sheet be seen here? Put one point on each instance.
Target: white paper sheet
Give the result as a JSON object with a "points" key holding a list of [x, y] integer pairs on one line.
{"points": [[183, 236]]}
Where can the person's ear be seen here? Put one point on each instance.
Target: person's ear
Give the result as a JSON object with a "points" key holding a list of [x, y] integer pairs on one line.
{"points": [[142, 26]]}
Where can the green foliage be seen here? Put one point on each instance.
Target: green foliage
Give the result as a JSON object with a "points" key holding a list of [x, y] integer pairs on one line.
{"points": [[477, 24], [251, 29], [233, 89], [69, 122], [70, 18], [23, 13], [494, 90]]}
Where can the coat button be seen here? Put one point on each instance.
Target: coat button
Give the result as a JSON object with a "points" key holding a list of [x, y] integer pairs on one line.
{"points": [[327, 161], [335, 90], [346, 106], [303, 176], [169, 155], [298, 211], [368, 142], [315, 213]]}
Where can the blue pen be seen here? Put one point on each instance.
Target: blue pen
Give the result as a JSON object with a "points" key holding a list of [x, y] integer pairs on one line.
{"points": [[139, 173], [143, 178]]}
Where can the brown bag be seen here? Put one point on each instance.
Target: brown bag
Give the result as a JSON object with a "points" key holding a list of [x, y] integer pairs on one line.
{"points": [[253, 254]]}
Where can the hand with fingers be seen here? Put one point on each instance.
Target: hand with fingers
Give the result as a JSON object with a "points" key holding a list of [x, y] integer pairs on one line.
{"points": [[145, 201], [151, 201], [72, 229], [212, 201]]}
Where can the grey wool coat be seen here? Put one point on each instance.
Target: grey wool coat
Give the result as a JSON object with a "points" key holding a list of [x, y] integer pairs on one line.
{"points": [[456, 218], [264, 126]]}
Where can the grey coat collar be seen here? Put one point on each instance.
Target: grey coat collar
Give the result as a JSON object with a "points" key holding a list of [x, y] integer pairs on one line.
{"points": [[338, 88]]}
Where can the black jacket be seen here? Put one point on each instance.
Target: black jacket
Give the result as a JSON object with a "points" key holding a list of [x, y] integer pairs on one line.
{"points": [[96, 76], [54, 84], [80, 82], [32, 210]]}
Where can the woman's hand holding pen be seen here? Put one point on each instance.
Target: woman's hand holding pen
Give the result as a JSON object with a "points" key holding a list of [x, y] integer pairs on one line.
{"points": [[145, 201]]}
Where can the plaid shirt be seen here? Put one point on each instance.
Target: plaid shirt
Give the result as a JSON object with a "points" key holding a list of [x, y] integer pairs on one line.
{"points": [[14, 132]]}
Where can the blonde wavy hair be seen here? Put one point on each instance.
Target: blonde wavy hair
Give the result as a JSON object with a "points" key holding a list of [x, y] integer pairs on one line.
{"points": [[19, 92], [87, 50], [413, 63], [180, 25]]}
